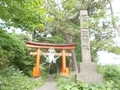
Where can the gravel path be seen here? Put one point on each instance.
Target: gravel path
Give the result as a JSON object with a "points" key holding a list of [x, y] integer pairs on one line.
{"points": [[50, 84]]}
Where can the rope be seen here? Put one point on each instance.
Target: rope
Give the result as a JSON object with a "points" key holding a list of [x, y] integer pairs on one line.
{"points": [[48, 59], [44, 55], [57, 57]]}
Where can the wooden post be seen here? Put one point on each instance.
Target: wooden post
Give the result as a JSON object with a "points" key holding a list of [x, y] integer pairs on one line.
{"points": [[36, 69], [64, 69], [63, 60]]}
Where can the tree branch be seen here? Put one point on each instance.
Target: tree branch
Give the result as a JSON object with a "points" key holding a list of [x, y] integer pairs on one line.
{"points": [[73, 17]]}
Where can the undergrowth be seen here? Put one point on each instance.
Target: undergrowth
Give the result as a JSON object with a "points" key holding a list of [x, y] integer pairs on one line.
{"points": [[70, 84], [12, 79]]}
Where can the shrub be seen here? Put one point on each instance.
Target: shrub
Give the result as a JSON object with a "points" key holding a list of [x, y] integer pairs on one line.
{"points": [[14, 79], [111, 73], [111, 81]]}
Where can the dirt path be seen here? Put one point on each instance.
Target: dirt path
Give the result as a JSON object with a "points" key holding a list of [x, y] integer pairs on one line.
{"points": [[50, 84]]}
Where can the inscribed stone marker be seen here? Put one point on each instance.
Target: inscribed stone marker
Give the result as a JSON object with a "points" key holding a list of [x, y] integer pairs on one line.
{"points": [[85, 44], [88, 72]]}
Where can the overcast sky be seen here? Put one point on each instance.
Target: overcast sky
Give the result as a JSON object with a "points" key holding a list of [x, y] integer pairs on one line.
{"points": [[116, 5]]}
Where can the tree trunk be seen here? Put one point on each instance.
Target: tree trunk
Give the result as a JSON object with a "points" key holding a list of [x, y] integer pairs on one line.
{"points": [[117, 27], [74, 61], [29, 36]]}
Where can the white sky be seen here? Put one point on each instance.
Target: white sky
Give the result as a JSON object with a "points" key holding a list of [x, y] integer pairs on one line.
{"points": [[110, 58], [116, 5]]}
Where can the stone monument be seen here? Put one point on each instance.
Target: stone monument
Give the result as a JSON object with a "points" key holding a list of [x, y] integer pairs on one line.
{"points": [[88, 72]]}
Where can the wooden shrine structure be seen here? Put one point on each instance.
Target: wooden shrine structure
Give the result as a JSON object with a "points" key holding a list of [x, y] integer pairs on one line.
{"points": [[39, 46]]}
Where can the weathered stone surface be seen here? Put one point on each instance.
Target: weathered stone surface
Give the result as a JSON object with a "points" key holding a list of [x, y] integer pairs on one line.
{"points": [[88, 67], [89, 77], [88, 73]]}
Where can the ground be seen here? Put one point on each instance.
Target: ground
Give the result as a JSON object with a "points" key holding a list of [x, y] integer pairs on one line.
{"points": [[50, 84]]}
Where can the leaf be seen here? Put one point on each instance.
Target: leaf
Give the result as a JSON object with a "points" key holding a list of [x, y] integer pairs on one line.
{"points": [[74, 88], [67, 87]]}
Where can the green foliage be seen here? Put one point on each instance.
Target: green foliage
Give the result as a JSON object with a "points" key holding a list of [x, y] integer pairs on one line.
{"points": [[56, 38], [26, 14], [66, 84], [67, 20], [14, 79], [14, 52], [86, 86], [111, 77], [33, 15], [111, 74]]}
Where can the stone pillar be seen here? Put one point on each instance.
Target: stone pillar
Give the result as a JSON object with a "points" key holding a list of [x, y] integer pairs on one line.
{"points": [[88, 71]]}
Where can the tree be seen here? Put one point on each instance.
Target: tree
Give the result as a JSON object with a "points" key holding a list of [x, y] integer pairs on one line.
{"points": [[29, 15], [63, 18], [66, 22], [117, 27]]}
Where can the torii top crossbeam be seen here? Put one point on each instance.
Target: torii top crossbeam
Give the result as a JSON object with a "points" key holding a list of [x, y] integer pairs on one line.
{"points": [[50, 45]]}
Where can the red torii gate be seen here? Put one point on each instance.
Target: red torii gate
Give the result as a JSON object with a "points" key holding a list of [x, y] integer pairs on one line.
{"points": [[38, 46]]}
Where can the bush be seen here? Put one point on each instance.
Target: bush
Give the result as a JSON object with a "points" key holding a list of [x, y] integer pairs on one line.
{"points": [[65, 84], [111, 73], [13, 79], [14, 52], [111, 76]]}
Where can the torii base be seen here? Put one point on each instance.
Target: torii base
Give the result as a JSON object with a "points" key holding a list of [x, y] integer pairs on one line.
{"points": [[88, 73], [65, 72], [36, 72]]}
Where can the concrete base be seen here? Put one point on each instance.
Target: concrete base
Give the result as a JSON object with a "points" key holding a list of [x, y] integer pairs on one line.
{"points": [[88, 73]]}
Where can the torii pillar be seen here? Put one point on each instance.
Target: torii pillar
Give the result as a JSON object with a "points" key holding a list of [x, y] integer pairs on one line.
{"points": [[36, 69], [64, 70], [88, 72]]}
